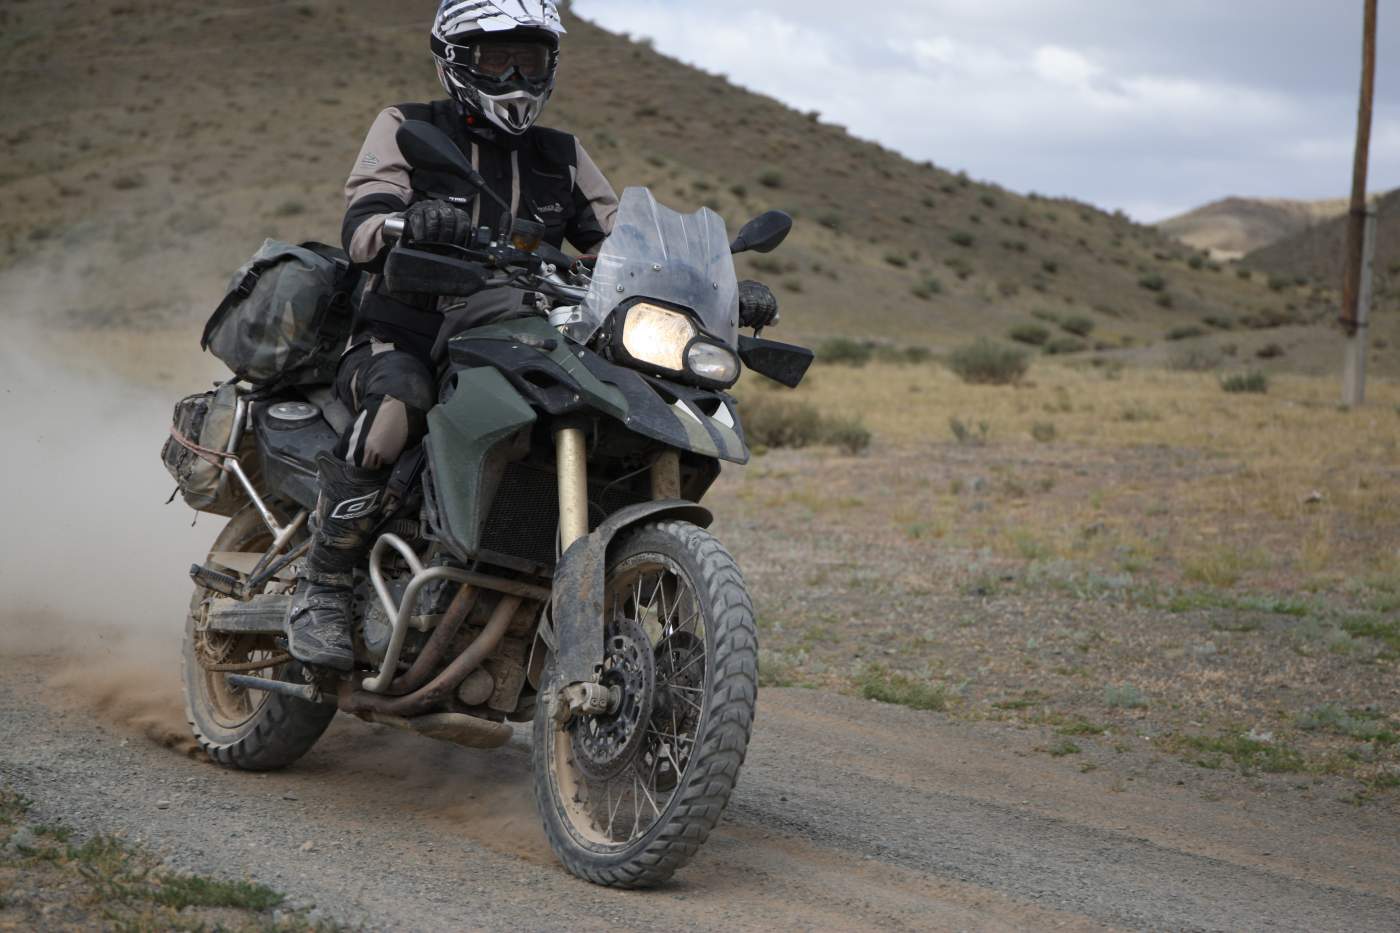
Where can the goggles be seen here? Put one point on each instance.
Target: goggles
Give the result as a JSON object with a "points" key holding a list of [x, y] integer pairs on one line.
{"points": [[501, 60]]}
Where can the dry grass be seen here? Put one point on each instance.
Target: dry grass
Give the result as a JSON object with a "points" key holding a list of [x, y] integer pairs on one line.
{"points": [[106, 883], [1213, 566], [1240, 497]]}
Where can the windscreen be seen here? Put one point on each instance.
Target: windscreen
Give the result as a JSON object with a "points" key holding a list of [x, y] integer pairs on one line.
{"points": [[657, 253]]}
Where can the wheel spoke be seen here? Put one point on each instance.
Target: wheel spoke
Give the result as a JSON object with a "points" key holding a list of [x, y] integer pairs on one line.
{"points": [[683, 627], [612, 810], [693, 705], [699, 656]]}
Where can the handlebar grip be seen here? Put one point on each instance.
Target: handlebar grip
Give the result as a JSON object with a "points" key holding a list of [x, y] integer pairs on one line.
{"points": [[393, 228]]}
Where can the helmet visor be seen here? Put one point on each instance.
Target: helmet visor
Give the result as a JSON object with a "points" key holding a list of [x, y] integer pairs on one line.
{"points": [[502, 59]]}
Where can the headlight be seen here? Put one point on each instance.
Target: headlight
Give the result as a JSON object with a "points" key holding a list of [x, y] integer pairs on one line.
{"points": [[670, 342], [713, 363], [657, 336]]}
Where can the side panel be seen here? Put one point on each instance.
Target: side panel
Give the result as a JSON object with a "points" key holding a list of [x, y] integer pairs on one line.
{"points": [[543, 366], [463, 434]]}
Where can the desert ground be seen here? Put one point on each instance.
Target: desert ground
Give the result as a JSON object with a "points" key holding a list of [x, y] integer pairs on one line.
{"points": [[1113, 644]]}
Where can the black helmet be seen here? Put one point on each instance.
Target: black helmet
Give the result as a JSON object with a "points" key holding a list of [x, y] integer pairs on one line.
{"points": [[498, 58]]}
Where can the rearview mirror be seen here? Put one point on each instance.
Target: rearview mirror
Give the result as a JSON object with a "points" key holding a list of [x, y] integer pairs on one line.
{"points": [[429, 148], [763, 234]]}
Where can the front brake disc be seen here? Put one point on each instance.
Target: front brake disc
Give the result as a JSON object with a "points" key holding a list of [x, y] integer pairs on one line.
{"points": [[605, 744]]}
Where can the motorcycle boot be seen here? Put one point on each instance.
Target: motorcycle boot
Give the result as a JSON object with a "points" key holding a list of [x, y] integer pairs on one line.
{"points": [[347, 511]]}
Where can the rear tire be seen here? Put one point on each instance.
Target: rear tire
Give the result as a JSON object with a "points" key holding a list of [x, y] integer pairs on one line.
{"points": [[682, 770], [239, 728]]}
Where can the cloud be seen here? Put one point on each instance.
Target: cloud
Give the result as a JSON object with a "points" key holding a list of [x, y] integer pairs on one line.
{"points": [[1126, 105]]}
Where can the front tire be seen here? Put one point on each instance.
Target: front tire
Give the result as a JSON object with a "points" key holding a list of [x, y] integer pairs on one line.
{"points": [[239, 728], [627, 798]]}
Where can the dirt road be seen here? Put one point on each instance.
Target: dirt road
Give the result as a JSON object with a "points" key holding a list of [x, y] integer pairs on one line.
{"points": [[849, 814]]}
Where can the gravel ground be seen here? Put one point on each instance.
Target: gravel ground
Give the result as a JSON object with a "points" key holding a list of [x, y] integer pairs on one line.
{"points": [[849, 814]]}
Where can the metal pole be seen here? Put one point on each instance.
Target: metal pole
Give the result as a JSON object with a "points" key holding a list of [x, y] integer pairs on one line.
{"points": [[1357, 341], [1351, 286]]}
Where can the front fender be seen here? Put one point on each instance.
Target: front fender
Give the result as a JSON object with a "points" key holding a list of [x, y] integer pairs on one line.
{"points": [[579, 581]]}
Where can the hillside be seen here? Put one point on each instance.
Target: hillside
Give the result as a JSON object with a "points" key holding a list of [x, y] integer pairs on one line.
{"points": [[1232, 227], [132, 206], [1318, 252]]}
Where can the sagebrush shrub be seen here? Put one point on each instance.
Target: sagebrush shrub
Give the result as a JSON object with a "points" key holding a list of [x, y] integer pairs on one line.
{"points": [[986, 362], [845, 352], [1033, 334], [1255, 382]]}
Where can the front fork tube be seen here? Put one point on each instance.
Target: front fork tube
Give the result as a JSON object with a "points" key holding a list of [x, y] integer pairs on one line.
{"points": [[571, 449]]}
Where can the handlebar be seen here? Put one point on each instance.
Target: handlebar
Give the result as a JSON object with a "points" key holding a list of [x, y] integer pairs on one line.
{"points": [[393, 228], [530, 271]]}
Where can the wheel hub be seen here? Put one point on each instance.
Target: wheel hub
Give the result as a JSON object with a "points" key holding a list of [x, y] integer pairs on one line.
{"points": [[605, 744]]}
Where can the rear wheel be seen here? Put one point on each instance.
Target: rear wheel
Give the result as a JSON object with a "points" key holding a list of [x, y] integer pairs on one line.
{"points": [[629, 796], [237, 727]]}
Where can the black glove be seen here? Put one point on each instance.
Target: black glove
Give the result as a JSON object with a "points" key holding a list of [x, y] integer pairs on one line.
{"points": [[437, 222], [758, 306]]}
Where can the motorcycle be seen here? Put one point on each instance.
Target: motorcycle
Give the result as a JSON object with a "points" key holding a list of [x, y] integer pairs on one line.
{"points": [[542, 556]]}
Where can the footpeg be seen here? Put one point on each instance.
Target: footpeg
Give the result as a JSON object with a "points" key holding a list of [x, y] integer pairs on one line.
{"points": [[307, 692], [222, 583]]}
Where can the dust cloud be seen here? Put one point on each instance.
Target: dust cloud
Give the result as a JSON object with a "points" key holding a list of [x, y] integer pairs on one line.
{"points": [[93, 565]]}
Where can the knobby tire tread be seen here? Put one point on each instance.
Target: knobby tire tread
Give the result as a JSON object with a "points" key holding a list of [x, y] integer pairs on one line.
{"points": [[727, 726]]}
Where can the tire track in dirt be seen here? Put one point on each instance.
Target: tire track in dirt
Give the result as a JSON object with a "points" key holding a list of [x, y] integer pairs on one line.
{"points": [[848, 815]]}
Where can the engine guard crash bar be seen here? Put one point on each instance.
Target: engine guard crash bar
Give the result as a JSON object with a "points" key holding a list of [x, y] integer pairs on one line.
{"points": [[402, 614]]}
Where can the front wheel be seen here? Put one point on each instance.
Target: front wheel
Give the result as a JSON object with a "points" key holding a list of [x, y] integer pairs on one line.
{"points": [[629, 796]]}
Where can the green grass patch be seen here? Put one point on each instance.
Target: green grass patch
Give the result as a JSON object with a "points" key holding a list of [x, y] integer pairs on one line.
{"points": [[193, 891], [1362, 725], [1246, 754], [1062, 748], [1386, 631], [1080, 727], [1205, 600], [879, 683]]}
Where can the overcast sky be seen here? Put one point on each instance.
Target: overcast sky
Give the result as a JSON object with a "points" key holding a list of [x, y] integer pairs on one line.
{"points": [[1152, 107]]}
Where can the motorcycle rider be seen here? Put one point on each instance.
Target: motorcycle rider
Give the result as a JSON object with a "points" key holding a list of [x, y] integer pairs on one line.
{"points": [[497, 62]]}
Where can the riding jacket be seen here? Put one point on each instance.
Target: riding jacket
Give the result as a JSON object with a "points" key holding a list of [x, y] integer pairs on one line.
{"points": [[543, 173]]}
